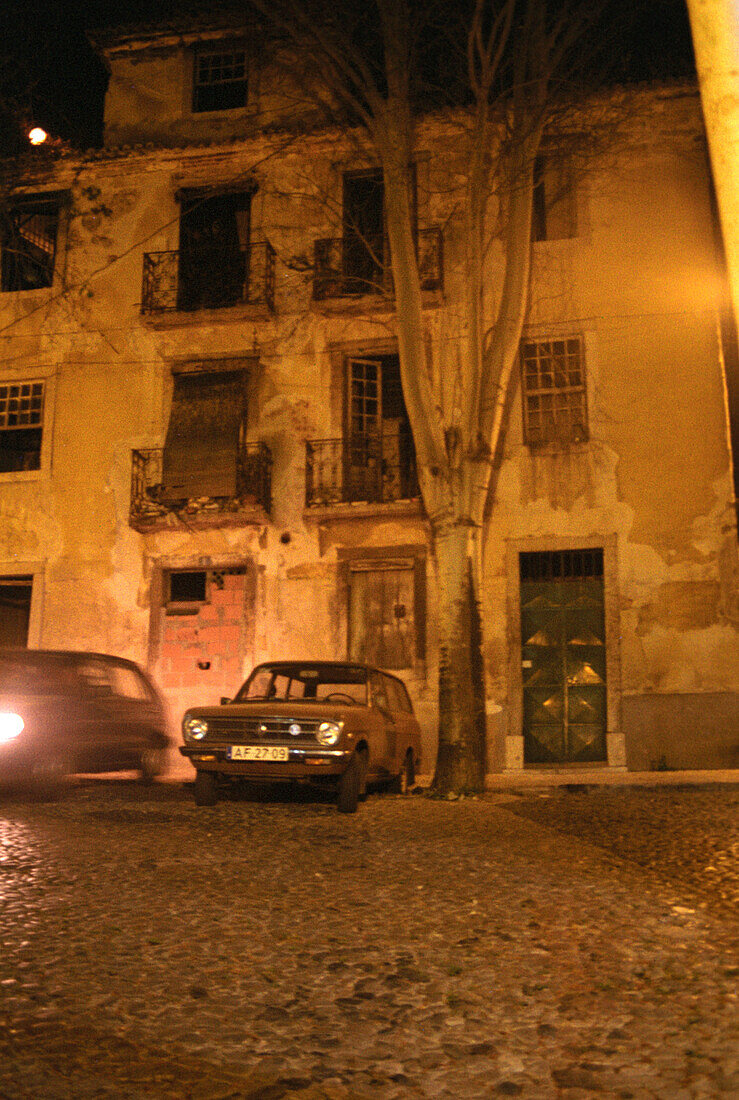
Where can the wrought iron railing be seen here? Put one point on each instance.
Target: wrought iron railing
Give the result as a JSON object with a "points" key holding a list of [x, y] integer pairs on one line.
{"points": [[151, 504], [346, 267], [206, 279], [372, 469]]}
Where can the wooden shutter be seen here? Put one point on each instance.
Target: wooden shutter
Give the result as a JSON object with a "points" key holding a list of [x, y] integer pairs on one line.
{"points": [[201, 449]]}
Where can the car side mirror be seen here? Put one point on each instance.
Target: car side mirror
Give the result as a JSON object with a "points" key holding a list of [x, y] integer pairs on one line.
{"points": [[225, 700]]}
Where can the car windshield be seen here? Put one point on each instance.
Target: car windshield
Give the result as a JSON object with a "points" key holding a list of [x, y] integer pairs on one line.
{"points": [[308, 683], [36, 676]]}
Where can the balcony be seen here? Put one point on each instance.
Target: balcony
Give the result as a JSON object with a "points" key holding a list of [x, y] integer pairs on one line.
{"points": [[153, 508], [201, 279], [367, 469], [344, 267]]}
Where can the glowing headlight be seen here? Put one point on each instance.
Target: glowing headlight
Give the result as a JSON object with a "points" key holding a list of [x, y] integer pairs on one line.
{"points": [[328, 733], [11, 725], [194, 729]]}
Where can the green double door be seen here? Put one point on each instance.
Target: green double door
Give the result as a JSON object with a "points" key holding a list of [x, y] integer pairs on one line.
{"points": [[563, 657]]}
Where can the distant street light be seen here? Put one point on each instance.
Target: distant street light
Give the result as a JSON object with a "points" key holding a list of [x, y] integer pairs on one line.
{"points": [[37, 136]]}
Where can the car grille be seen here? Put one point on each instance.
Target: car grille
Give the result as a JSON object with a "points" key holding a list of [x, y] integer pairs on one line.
{"points": [[270, 729]]}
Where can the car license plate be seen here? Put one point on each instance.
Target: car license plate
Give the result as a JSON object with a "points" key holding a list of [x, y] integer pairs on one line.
{"points": [[268, 753]]}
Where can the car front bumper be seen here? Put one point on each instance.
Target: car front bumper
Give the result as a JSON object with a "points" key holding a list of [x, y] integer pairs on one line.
{"points": [[302, 763]]}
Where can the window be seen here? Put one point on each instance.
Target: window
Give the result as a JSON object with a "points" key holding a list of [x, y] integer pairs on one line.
{"points": [[96, 676], [554, 213], [553, 391], [21, 424], [358, 262], [364, 239], [374, 460], [187, 587], [214, 249], [396, 694], [364, 231], [28, 231], [15, 610], [220, 80], [203, 446], [129, 684]]}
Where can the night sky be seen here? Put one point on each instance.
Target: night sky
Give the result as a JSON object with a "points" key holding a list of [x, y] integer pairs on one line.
{"points": [[54, 79]]}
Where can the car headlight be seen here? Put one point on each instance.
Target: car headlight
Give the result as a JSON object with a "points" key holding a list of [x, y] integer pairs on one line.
{"points": [[328, 733], [194, 729], [11, 726]]}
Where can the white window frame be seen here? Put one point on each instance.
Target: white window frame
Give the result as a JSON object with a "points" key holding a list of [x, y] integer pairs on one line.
{"points": [[49, 382]]}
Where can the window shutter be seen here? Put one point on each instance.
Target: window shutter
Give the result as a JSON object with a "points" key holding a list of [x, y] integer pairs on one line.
{"points": [[201, 449]]}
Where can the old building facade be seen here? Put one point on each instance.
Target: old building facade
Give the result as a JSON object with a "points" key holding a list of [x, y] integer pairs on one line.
{"points": [[205, 457]]}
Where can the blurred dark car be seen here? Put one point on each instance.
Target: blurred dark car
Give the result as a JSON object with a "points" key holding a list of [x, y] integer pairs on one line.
{"points": [[337, 723], [64, 712]]}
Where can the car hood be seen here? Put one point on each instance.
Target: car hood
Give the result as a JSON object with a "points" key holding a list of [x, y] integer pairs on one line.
{"points": [[265, 708]]}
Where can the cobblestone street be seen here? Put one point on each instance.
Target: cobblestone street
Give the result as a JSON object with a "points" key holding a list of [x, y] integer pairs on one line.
{"points": [[556, 943]]}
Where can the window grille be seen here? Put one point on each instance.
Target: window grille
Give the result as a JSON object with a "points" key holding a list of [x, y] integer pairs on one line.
{"points": [[561, 565], [220, 80], [553, 390]]}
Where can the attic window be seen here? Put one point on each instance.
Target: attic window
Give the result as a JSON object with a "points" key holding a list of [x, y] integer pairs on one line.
{"points": [[220, 80]]}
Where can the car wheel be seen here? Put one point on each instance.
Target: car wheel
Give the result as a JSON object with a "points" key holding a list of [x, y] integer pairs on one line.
{"points": [[364, 760], [206, 789], [151, 763], [350, 785], [406, 778]]}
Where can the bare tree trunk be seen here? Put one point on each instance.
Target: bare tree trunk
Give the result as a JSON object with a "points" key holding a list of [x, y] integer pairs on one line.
{"points": [[461, 762]]}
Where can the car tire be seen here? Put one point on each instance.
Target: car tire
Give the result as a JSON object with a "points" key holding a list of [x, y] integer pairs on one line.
{"points": [[151, 763], [206, 789], [406, 778], [350, 786], [363, 775]]}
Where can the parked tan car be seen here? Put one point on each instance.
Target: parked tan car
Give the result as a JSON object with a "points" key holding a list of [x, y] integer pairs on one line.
{"points": [[336, 723]]}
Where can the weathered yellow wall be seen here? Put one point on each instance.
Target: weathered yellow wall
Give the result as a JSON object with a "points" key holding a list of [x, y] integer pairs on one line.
{"points": [[638, 282]]}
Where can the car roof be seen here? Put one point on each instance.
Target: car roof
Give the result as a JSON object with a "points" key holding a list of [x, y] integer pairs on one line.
{"points": [[41, 655], [323, 664]]}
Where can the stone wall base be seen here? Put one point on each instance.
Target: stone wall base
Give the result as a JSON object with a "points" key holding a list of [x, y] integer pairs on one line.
{"points": [[681, 731]]}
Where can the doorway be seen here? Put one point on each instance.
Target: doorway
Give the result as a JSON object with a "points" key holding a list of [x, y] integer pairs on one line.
{"points": [[380, 456], [15, 610], [563, 656], [204, 634]]}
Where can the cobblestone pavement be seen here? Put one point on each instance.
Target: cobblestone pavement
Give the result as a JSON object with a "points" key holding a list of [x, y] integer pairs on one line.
{"points": [[562, 944]]}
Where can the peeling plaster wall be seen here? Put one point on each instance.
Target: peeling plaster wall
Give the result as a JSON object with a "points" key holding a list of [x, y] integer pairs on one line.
{"points": [[653, 483], [640, 286]]}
